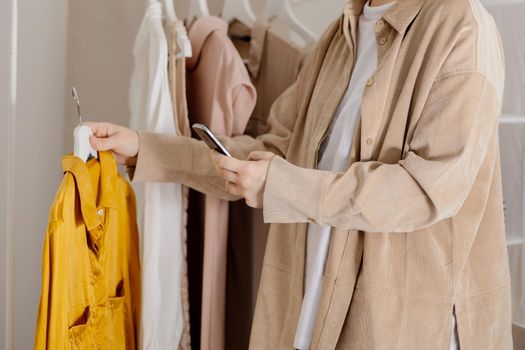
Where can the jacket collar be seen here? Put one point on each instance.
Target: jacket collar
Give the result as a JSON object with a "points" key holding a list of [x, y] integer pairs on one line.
{"points": [[399, 16], [200, 30], [107, 194]]}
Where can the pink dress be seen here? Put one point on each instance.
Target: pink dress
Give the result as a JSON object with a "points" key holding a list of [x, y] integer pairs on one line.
{"points": [[220, 95]]}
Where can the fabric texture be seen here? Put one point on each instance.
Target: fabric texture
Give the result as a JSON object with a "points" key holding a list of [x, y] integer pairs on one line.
{"points": [[151, 108], [90, 295], [177, 85], [333, 156], [221, 96], [417, 216], [274, 63]]}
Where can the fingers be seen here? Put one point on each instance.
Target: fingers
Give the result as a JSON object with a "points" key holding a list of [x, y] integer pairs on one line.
{"points": [[102, 129], [102, 143], [227, 163], [234, 189], [228, 175], [92, 125], [244, 178], [260, 155]]}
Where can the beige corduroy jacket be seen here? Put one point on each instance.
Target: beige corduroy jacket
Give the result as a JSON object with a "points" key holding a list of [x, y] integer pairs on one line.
{"points": [[418, 215]]}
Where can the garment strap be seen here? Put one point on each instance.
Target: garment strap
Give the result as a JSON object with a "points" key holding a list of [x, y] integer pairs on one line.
{"points": [[78, 169]]}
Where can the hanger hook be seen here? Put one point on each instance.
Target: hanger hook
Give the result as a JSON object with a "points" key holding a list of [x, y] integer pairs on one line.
{"points": [[77, 101]]}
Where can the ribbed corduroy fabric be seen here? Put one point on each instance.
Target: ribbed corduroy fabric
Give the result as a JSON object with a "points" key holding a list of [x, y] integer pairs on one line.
{"points": [[418, 214]]}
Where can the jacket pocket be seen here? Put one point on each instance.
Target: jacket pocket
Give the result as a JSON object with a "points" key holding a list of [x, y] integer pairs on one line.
{"points": [[79, 333], [118, 320]]}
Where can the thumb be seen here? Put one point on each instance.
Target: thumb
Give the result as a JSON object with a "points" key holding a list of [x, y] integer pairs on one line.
{"points": [[259, 155], [102, 144]]}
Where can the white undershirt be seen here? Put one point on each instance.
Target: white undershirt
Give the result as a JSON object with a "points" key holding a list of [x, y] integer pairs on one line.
{"points": [[334, 155]]}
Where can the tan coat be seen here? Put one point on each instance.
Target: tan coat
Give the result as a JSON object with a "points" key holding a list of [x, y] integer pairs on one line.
{"points": [[418, 214]]}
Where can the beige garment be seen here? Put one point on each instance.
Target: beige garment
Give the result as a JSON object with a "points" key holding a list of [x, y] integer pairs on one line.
{"points": [[177, 83], [418, 215], [221, 96], [273, 63]]}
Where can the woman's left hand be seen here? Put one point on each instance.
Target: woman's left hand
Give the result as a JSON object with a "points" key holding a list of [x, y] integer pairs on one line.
{"points": [[244, 178]]}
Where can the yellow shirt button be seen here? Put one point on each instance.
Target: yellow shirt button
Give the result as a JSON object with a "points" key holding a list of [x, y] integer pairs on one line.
{"points": [[369, 141], [382, 41], [100, 212], [369, 82]]}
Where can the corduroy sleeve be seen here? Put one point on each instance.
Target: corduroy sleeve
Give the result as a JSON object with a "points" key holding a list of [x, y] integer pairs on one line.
{"points": [[448, 146], [169, 158]]}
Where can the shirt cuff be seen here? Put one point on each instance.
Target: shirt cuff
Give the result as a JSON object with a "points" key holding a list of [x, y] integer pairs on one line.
{"points": [[161, 158], [293, 194]]}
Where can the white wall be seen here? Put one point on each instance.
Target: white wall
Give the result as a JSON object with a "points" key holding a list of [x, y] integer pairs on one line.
{"points": [[99, 60], [36, 153], [39, 118], [5, 34]]}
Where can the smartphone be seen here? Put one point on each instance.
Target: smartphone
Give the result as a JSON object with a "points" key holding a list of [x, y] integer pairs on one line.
{"points": [[210, 139]]}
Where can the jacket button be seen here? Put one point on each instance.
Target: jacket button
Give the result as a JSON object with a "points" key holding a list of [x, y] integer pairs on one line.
{"points": [[369, 82], [382, 41], [369, 141], [380, 23]]}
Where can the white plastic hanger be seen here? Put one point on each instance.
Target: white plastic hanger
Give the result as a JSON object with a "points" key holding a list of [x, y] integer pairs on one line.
{"points": [[198, 8], [282, 9], [81, 134], [182, 38], [240, 10]]}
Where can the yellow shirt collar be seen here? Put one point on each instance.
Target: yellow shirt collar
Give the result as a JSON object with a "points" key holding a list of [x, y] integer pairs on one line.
{"points": [[106, 193]]}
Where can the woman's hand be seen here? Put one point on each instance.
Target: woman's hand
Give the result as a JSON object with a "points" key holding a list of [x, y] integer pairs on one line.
{"points": [[123, 142], [244, 178]]}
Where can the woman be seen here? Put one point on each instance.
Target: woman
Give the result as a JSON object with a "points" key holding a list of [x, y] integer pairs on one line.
{"points": [[382, 165]]}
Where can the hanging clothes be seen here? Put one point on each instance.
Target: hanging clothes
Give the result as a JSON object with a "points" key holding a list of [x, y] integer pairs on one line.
{"points": [[220, 95], [162, 320], [90, 295], [273, 62], [177, 85]]}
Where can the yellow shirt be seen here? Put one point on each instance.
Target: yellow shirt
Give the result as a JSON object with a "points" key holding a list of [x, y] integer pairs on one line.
{"points": [[90, 270]]}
